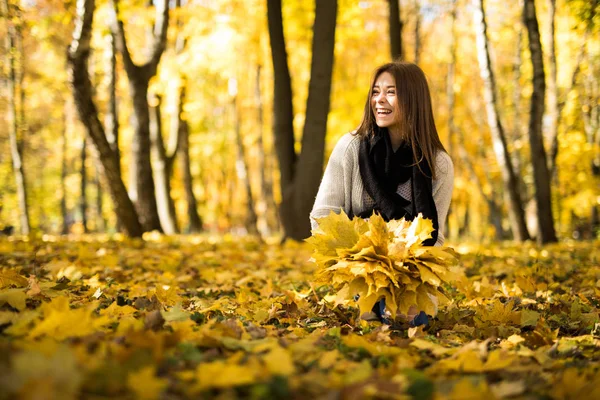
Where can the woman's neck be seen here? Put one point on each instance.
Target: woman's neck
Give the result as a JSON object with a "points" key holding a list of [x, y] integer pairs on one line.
{"points": [[396, 138]]}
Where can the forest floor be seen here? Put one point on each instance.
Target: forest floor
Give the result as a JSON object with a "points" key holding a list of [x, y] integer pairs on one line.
{"points": [[228, 317]]}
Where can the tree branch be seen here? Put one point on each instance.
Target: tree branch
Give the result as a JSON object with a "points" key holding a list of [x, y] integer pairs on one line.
{"points": [[160, 32], [116, 26]]}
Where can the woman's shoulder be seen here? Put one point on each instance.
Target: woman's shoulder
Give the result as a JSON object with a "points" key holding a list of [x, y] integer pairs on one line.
{"points": [[348, 143], [443, 164]]}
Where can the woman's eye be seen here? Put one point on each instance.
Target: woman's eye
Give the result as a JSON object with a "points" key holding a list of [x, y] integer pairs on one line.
{"points": [[391, 92]]}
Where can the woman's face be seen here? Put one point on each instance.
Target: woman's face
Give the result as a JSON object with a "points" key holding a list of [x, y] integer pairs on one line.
{"points": [[384, 102]]}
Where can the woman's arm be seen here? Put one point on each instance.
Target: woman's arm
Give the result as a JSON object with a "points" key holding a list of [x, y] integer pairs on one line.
{"points": [[332, 191], [442, 190]]}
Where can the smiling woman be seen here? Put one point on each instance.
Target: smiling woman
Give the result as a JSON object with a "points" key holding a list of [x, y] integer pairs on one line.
{"points": [[394, 164]]}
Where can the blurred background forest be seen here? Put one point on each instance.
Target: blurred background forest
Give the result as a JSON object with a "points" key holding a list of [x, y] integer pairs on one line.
{"points": [[219, 115]]}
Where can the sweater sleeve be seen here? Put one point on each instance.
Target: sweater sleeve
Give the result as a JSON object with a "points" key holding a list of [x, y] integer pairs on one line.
{"points": [[442, 190], [337, 177]]}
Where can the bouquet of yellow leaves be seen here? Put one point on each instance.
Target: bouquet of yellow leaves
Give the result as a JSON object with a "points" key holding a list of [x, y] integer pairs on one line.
{"points": [[374, 259]]}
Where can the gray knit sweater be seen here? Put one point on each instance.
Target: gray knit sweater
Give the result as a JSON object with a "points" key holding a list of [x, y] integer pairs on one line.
{"points": [[342, 187]]}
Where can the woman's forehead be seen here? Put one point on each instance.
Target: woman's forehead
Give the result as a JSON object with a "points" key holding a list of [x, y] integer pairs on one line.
{"points": [[385, 79]]}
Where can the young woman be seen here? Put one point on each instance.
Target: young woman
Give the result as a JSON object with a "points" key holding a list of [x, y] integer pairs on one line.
{"points": [[394, 163]]}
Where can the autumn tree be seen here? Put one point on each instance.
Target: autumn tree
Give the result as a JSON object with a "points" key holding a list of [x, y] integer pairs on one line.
{"points": [[180, 127], [301, 173], [142, 189], [78, 56], [163, 158], [516, 212], [15, 58], [543, 199]]}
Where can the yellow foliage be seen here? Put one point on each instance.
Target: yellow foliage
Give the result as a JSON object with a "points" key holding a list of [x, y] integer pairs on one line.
{"points": [[145, 384], [257, 326], [365, 262], [61, 322], [11, 277], [15, 297]]}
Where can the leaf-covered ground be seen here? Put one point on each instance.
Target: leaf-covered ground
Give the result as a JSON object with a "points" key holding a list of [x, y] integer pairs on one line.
{"points": [[199, 317]]}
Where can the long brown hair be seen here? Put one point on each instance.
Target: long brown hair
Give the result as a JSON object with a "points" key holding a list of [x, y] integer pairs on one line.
{"points": [[417, 125]]}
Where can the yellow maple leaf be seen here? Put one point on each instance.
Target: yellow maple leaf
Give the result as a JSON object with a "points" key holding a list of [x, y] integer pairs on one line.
{"points": [[335, 231], [145, 384], [115, 311], [376, 349], [407, 299], [14, 297], [470, 389], [222, 374], [279, 361], [426, 300], [61, 322], [419, 230], [10, 277], [378, 233], [7, 316], [168, 297]]}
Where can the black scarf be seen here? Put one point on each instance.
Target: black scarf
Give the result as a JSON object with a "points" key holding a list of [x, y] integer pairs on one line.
{"points": [[382, 171]]}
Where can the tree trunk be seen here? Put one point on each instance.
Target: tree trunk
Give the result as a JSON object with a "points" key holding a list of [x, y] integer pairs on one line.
{"points": [[63, 170], [301, 175], [143, 192], [545, 221], [111, 119], [552, 94], [591, 124], [451, 96], [194, 220], [14, 59], [516, 213], [417, 57], [83, 205], [395, 26], [310, 162], [494, 209], [267, 202], [82, 91], [163, 169], [517, 133], [100, 221], [283, 114], [243, 172]]}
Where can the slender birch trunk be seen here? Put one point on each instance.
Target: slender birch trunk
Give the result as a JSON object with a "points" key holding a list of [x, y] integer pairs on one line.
{"points": [[14, 59], [450, 78], [242, 170], [516, 213], [83, 204], [552, 92], [162, 162], [63, 170], [194, 220], [267, 201], [417, 56], [111, 119]]}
